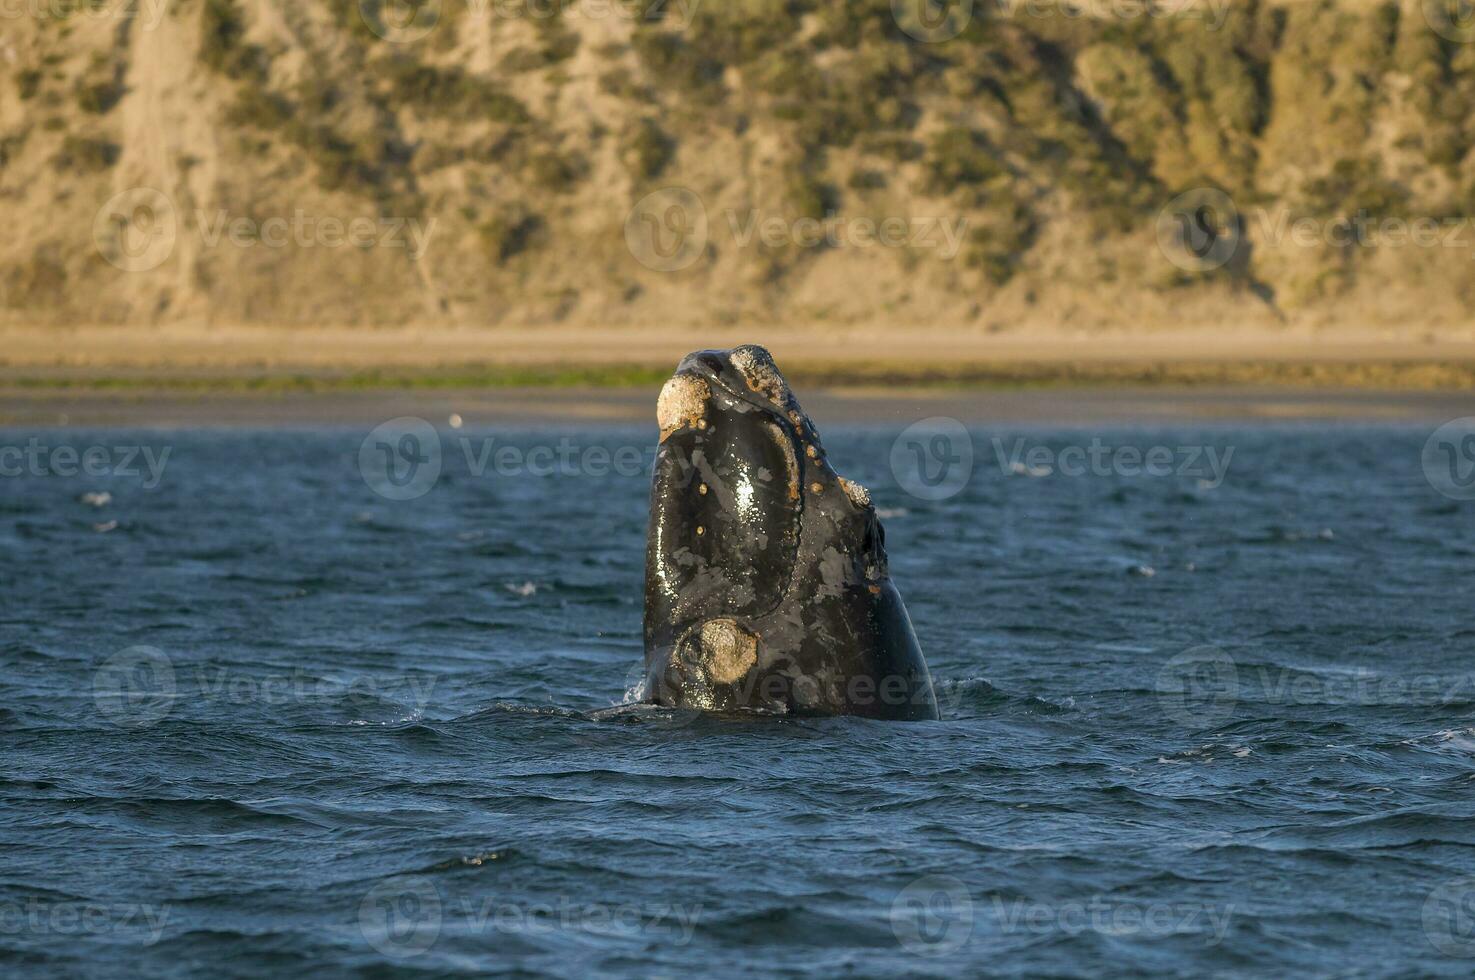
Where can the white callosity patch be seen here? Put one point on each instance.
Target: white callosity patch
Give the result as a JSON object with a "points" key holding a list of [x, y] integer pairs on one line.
{"points": [[791, 461], [683, 401], [859, 495], [729, 651], [756, 366]]}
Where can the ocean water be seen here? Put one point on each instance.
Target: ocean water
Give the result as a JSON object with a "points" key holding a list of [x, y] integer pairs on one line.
{"points": [[260, 717]]}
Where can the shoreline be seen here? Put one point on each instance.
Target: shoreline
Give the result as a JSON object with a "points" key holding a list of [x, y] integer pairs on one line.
{"points": [[274, 376], [328, 350], [481, 408]]}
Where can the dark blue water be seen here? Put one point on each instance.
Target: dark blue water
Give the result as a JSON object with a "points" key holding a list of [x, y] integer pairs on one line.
{"points": [[271, 721]]}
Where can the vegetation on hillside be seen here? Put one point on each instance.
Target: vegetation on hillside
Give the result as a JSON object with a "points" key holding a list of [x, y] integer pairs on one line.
{"points": [[1057, 139]]}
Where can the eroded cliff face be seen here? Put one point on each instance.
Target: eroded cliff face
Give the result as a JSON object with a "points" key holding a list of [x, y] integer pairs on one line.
{"points": [[612, 162]]}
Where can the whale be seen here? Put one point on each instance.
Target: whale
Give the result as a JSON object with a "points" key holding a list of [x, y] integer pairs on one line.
{"points": [[767, 588]]}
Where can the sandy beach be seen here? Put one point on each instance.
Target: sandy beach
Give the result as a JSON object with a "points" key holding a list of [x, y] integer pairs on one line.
{"points": [[200, 349], [276, 376]]}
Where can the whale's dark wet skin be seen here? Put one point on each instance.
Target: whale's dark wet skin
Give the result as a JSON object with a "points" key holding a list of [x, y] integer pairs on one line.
{"points": [[766, 584]]}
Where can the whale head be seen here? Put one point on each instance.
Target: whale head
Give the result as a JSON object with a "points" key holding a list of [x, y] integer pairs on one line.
{"points": [[766, 577]]}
